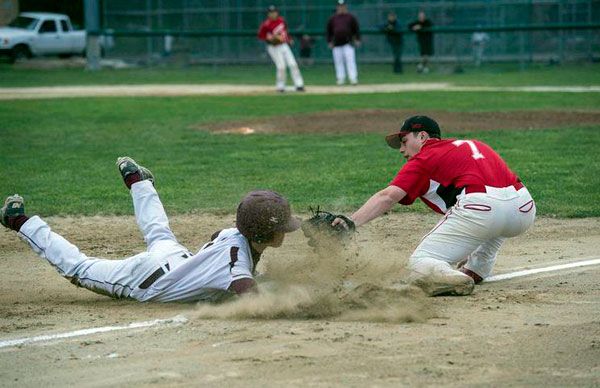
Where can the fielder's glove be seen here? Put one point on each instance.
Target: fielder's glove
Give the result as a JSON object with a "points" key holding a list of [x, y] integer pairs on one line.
{"points": [[318, 228], [276, 39]]}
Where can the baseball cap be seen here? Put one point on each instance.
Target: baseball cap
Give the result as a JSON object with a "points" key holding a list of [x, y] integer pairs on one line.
{"points": [[272, 8], [340, 2], [414, 124], [262, 213]]}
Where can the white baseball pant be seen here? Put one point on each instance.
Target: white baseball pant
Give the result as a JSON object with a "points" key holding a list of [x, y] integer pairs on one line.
{"points": [[474, 228], [283, 57], [117, 278], [344, 58]]}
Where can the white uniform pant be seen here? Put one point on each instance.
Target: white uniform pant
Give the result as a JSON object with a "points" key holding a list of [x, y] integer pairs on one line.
{"points": [[344, 58], [474, 228], [117, 278], [283, 57]]}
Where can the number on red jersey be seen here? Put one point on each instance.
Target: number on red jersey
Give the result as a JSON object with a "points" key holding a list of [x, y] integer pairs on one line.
{"points": [[474, 151]]}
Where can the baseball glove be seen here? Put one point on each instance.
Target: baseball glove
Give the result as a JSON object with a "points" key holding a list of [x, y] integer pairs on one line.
{"points": [[318, 227], [276, 39]]}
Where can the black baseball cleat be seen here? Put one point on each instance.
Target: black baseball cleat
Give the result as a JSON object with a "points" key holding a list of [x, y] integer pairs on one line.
{"points": [[300, 89], [13, 207], [133, 172]]}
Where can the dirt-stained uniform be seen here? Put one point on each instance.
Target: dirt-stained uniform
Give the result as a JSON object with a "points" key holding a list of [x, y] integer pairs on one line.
{"points": [[167, 271]]}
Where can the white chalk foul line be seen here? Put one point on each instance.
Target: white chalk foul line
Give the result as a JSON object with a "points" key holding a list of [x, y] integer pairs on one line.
{"points": [[176, 320], [511, 275], [180, 319]]}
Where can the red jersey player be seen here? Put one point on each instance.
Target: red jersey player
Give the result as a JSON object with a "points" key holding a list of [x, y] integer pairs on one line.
{"points": [[482, 200], [273, 31]]}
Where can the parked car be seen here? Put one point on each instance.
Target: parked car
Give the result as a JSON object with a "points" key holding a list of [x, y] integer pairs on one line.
{"points": [[37, 34]]}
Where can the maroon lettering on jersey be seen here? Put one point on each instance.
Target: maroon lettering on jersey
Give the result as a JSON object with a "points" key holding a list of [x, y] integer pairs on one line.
{"points": [[233, 256], [443, 168]]}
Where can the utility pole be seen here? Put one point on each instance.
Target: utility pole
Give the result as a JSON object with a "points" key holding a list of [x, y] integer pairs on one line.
{"points": [[92, 24]]}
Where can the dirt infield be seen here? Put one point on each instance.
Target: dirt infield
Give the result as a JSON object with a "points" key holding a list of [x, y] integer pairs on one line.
{"points": [[333, 320], [158, 90], [539, 330]]}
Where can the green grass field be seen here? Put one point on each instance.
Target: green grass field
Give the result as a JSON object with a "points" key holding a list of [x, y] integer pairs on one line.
{"points": [[491, 75], [60, 153]]}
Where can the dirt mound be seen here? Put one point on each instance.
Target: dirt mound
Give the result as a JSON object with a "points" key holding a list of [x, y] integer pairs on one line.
{"points": [[385, 121]]}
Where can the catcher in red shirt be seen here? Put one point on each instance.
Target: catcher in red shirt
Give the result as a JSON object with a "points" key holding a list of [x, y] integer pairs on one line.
{"points": [[273, 31], [482, 200]]}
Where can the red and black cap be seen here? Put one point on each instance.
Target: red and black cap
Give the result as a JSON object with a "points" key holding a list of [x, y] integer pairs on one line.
{"points": [[414, 124]]}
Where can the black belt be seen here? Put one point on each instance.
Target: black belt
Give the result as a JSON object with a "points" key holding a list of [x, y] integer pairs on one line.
{"points": [[157, 274], [153, 277]]}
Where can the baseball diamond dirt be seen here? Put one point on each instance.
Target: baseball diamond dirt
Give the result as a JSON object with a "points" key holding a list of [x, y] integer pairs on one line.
{"points": [[322, 319], [338, 320]]}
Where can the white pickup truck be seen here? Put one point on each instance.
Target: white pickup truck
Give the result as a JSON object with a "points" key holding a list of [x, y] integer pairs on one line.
{"points": [[36, 34]]}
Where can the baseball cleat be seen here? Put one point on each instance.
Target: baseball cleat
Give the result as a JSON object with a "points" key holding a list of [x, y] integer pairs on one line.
{"points": [[445, 285], [13, 207], [300, 88], [128, 166]]}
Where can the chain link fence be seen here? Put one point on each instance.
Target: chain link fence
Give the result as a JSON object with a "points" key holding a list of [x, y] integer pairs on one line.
{"points": [[223, 31]]}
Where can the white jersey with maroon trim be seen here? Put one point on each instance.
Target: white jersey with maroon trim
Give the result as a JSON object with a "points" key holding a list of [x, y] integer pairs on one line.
{"points": [[207, 274]]}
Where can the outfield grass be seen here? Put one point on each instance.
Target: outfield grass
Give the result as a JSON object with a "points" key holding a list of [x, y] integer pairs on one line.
{"points": [[60, 153], [491, 75]]}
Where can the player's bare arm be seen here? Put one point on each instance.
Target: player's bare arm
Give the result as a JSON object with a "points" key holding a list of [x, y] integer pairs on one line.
{"points": [[380, 203]]}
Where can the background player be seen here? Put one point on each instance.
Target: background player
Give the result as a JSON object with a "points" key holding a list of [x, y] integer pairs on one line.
{"points": [[393, 33], [274, 32], [343, 34], [166, 271], [424, 39], [484, 202]]}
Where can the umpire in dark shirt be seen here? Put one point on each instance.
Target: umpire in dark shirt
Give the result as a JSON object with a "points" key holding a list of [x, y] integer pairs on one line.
{"points": [[393, 33], [425, 40]]}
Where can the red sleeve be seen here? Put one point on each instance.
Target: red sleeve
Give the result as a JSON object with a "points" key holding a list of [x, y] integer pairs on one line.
{"points": [[262, 32], [413, 179]]}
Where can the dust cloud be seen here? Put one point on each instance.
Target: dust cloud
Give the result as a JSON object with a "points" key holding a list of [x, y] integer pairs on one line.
{"points": [[331, 281]]}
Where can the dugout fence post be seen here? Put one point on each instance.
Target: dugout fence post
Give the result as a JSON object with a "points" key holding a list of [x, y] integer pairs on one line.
{"points": [[92, 23]]}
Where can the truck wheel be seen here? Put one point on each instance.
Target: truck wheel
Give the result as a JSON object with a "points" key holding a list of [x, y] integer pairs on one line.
{"points": [[20, 52]]}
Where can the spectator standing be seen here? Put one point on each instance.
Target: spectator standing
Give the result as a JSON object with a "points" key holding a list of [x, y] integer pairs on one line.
{"points": [[343, 35], [421, 27], [393, 33], [479, 40], [306, 44], [274, 32]]}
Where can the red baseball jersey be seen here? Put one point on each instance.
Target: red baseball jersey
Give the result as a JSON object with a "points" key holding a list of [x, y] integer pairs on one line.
{"points": [[443, 168], [269, 27]]}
